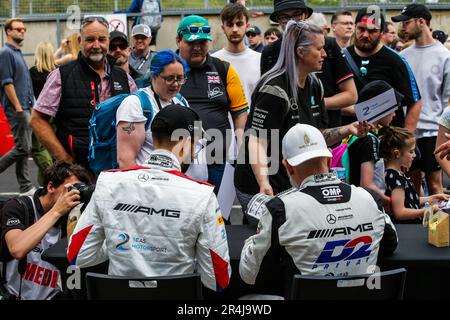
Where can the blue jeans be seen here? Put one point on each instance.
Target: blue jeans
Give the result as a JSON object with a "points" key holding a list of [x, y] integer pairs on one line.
{"points": [[215, 174]]}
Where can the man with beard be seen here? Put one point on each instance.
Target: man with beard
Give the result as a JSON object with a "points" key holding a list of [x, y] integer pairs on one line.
{"points": [[16, 97], [73, 90], [377, 62], [430, 62], [246, 61], [119, 50], [214, 90]]}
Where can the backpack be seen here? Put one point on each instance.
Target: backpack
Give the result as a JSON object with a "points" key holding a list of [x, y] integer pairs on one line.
{"points": [[340, 157], [102, 131]]}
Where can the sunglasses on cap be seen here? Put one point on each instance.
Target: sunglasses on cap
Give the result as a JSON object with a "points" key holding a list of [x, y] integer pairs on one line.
{"points": [[90, 19], [122, 46], [196, 29]]}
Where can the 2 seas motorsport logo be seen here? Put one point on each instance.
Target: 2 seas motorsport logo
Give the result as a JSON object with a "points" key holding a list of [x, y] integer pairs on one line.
{"points": [[138, 243]]}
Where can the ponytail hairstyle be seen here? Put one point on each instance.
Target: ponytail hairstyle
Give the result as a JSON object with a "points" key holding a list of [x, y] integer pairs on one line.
{"points": [[393, 138]]}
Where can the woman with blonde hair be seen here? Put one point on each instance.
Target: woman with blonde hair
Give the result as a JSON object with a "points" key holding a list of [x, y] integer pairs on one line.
{"points": [[69, 49], [44, 63]]}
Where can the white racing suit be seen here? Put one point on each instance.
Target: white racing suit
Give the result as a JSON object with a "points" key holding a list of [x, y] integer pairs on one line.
{"points": [[325, 227], [153, 221]]}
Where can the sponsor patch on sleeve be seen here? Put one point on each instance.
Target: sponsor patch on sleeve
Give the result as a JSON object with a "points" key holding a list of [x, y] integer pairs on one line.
{"points": [[12, 222], [220, 220]]}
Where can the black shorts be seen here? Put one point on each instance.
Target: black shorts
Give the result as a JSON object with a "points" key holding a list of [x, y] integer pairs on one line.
{"points": [[427, 162]]}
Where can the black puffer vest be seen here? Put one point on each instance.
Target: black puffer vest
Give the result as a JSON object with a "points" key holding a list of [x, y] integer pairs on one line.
{"points": [[80, 85]]}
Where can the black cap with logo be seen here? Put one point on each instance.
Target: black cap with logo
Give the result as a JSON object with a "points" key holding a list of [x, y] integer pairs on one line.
{"points": [[413, 10], [254, 30], [118, 35]]}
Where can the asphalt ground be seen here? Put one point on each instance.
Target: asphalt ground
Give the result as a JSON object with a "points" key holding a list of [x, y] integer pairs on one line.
{"points": [[8, 181]]}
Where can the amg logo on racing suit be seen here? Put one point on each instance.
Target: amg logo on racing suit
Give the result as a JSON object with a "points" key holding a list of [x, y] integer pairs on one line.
{"points": [[328, 233], [169, 213]]}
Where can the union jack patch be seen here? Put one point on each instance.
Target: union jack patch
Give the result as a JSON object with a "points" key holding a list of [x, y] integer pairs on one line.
{"points": [[213, 79]]}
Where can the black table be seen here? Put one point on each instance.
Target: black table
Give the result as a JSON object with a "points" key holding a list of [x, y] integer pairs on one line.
{"points": [[428, 267]]}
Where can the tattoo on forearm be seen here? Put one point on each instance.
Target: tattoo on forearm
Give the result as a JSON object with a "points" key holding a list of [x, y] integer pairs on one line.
{"points": [[129, 129]]}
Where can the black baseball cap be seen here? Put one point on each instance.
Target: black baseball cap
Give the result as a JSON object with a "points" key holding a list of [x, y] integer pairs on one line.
{"points": [[375, 88], [253, 30], [175, 117], [113, 35], [413, 10]]}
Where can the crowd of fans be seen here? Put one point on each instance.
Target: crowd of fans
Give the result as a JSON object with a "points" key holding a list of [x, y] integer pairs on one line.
{"points": [[262, 112]]}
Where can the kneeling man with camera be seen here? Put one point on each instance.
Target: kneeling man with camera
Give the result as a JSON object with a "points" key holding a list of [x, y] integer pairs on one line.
{"points": [[30, 225], [154, 220]]}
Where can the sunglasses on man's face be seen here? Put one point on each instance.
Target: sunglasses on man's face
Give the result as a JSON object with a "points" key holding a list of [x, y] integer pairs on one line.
{"points": [[20, 30], [114, 46], [196, 29]]}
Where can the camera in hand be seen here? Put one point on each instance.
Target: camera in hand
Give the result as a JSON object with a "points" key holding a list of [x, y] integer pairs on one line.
{"points": [[85, 191]]}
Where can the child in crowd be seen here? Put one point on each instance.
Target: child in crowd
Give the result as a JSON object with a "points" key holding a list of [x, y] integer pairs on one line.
{"points": [[366, 167], [397, 147]]}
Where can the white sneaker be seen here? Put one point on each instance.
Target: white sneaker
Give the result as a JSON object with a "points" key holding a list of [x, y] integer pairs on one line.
{"points": [[29, 192]]}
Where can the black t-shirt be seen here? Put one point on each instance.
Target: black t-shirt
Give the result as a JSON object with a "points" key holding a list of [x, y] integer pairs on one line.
{"points": [[272, 112], [335, 70], [38, 79], [207, 95], [362, 150], [269, 56], [389, 66], [395, 179]]}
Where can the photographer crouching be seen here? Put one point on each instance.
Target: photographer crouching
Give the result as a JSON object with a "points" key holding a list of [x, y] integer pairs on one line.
{"points": [[30, 225]]}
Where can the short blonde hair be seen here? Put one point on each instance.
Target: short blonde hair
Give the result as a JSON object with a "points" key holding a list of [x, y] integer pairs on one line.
{"points": [[43, 57]]}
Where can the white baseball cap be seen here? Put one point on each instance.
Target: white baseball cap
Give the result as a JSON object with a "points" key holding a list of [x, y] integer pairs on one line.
{"points": [[304, 142]]}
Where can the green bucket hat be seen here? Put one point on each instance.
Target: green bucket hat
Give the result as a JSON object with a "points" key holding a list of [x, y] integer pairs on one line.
{"points": [[194, 28]]}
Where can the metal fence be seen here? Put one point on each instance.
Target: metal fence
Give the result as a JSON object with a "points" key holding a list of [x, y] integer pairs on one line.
{"points": [[10, 8]]}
